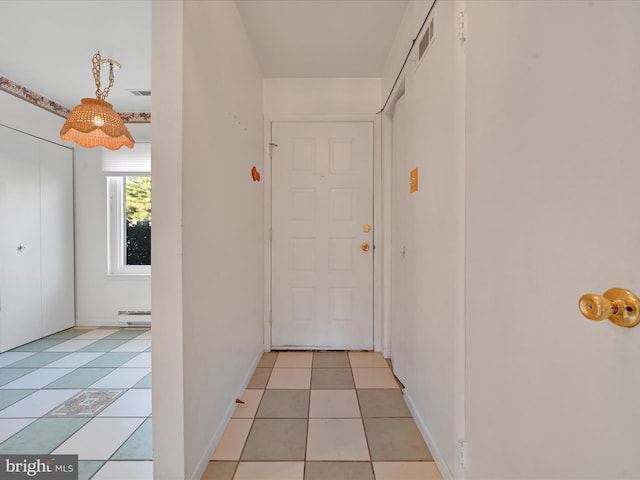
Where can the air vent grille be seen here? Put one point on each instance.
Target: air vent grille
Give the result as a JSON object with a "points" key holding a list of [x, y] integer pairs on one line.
{"points": [[426, 40], [141, 93]]}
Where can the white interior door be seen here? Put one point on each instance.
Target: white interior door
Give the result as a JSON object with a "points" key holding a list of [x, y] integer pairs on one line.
{"points": [[57, 262], [551, 213], [20, 307], [322, 203], [400, 314]]}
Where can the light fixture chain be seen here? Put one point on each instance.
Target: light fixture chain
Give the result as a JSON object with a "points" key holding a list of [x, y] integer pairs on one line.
{"points": [[106, 90], [96, 75], [101, 95]]}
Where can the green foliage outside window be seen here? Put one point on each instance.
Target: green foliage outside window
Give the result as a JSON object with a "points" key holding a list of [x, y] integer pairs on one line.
{"points": [[138, 199], [138, 212]]}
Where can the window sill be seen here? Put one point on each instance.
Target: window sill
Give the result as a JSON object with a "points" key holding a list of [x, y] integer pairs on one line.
{"points": [[128, 276]]}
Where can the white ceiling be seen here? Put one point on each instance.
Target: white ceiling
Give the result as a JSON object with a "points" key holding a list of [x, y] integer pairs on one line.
{"points": [[47, 45], [322, 38]]}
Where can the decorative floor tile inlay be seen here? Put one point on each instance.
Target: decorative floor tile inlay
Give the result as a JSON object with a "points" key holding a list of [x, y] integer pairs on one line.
{"points": [[87, 403]]}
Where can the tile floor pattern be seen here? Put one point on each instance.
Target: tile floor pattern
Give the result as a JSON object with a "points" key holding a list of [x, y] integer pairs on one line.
{"points": [[85, 392], [321, 416]]}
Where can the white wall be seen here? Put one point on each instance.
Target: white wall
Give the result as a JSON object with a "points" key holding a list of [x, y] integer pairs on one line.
{"points": [[431, 340], [553, 114], [98, 295], [19, 114], [321, 96], [208, 257], [166, 242]]}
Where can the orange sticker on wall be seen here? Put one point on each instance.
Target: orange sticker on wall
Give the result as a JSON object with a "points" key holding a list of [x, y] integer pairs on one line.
{"points": [[413, 181], [255, 174]]}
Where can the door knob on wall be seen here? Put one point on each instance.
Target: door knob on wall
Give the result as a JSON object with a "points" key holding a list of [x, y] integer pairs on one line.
{"points": [[617, 304]]}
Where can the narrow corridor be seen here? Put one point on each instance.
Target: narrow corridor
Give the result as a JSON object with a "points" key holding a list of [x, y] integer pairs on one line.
{"points": [[319, 416]]}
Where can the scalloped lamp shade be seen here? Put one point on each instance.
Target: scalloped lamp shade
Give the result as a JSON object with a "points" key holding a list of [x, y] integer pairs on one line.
{"points": [[94, 123]]}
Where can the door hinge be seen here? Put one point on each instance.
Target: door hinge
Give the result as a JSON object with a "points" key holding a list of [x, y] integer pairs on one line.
{"points": [[271, 147], [461, 29], [270, 318], [462, 453], [270, 234]]}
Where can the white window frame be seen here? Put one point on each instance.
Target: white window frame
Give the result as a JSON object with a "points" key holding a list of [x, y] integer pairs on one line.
{"points": [[117, 234]]}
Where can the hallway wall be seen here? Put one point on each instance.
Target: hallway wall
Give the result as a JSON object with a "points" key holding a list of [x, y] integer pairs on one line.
{"points": [[208, 257], [321, 96], [430, 343]]}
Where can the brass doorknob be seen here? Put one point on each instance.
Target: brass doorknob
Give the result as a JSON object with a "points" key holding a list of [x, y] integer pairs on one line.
{"points": [[365, 247], [620, 306]]}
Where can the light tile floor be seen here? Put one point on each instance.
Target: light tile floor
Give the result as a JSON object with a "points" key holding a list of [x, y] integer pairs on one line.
{"points": [[307, 416], [112, 440], [320, 416]]}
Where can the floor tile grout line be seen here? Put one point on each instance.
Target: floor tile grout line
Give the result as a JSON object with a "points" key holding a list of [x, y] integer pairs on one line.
{"points": [[40, 418], [71, 435], [306, 438], [131, 435], [253, 421]]}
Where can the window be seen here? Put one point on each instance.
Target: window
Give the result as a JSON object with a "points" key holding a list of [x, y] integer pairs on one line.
{"points": [[129, 211], [130, 219]]}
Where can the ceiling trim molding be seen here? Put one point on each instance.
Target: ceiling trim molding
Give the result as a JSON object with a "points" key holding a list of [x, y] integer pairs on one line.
{"points": [[38, 100], [135, 117]]}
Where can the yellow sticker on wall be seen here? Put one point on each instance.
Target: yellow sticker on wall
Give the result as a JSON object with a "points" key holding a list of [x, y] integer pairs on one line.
{"points": [[413, 181]]}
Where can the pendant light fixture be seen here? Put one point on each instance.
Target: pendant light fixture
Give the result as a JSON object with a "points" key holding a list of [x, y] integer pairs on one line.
{"points": [[94, 123]]}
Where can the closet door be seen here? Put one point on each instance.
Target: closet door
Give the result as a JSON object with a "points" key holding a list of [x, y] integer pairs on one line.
{"points": [[57, 274], [20, 295]]}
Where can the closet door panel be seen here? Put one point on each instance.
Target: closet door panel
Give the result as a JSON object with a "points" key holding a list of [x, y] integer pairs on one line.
{"points": [[20, 294], [57, 264]]}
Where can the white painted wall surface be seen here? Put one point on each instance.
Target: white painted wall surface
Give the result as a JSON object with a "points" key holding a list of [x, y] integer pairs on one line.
{"points": [[433, 332], [18, 114], [414, 15], [553, 114], [166, 242], [210, 299], [321, 96], [99, 296]]}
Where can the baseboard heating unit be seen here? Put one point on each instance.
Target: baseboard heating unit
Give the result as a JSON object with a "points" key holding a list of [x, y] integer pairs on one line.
{"points": [[134, 318]]}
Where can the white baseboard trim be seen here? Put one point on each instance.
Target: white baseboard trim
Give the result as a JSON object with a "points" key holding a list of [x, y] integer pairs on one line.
{"points": [[217, 435], [102, 322], [435, 453]]}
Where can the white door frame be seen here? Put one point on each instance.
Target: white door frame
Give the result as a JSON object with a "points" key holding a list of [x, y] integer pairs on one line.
{"points": [[379, 341]]}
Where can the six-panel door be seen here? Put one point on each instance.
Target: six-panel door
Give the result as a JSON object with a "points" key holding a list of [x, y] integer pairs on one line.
{"points": [[322, 201]]}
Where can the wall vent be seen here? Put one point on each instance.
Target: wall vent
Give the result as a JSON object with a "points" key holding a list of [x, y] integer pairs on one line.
{"points": [[134, 318], [141, 93], [427, 39]]}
